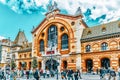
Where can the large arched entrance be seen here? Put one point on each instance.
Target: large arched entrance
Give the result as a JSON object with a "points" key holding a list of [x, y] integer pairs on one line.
{"points": [[105, 63], [51, 64], [89, 65]]}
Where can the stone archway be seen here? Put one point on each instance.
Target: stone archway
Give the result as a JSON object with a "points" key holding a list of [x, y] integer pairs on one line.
{"points": [[51, 64], [105, 62], [89, 65]]}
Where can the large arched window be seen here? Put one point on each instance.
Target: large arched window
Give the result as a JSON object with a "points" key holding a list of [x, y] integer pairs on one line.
{"points": [[52, 36], [104, 46], [64, 42], [88, 48], [41, 45]]}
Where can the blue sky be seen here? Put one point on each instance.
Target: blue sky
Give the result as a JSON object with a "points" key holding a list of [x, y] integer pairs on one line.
{"points": [[24, 14]]}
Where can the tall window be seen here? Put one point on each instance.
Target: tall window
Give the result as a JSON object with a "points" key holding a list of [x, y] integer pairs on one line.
{"points": [[52, 35], [41, 45], [64, 42], [88, 48], [104, 46]]}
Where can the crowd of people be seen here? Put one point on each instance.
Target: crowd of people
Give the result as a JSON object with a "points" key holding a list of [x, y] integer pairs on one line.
{"points": [[108, 73], [66, 74], [37, 74]]}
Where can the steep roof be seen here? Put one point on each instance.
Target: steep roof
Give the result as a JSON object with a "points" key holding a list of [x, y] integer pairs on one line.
{"points": [[101, 30], [20, 38]]}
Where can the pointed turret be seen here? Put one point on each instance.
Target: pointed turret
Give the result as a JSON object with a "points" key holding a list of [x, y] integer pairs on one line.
{"points": [[20, 38]]}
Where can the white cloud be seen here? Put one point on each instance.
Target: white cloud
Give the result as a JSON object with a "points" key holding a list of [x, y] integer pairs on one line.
{"points": [[110, 8], [1, 37]]}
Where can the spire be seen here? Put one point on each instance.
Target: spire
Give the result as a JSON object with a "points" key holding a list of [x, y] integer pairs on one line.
{"points": [[55, 6], [51, 7], [78, 12], [20, 38]]}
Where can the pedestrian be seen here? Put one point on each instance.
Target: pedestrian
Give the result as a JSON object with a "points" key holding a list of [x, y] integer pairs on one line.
{"points": [[112, 74], [102, 73], [44, 73], [27, 74], [119, 72], [70, 74], [48, 73], [76, 75], [63, 75], [79, 74], [36, 74]]}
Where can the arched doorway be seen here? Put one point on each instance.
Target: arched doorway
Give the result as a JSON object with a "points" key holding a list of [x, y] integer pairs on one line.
{"points": [[29, 65], [64, 64], [39, 65], [20, 65], [51, 64], [105, 62], [89, 65]]}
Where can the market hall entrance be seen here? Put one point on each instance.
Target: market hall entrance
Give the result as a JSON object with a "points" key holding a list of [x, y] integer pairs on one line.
{"points": [[51, 64]]}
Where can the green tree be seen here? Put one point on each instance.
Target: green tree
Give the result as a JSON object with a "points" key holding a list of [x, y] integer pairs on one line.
{"points": [[34, 63], [13, 65]]}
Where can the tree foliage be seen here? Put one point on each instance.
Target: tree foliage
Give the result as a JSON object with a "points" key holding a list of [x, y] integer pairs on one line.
{"points": [[13, 65], [34, 63]]}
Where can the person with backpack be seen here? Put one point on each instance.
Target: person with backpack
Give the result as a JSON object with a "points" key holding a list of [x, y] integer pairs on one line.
{"points": [[76, 75], [36, 74], [112, 74]]}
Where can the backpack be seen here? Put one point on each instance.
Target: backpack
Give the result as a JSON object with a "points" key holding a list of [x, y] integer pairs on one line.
{"points": [[36, 74]]}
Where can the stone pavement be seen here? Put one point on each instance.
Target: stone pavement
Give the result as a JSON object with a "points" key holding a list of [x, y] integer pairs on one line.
{"points": [[84, 77]]}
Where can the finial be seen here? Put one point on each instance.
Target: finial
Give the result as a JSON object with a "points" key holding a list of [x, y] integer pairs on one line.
{"points": [[78, 12], [50, 8], [55, 6]]}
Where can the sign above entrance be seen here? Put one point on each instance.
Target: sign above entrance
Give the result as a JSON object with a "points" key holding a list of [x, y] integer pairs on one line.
{"points": [[50, 52]]}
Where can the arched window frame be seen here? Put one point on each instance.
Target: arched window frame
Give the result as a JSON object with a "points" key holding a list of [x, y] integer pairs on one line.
{"points": [[64, 41], [88, 48], [41, 45], [104, 46], [52, 36]]}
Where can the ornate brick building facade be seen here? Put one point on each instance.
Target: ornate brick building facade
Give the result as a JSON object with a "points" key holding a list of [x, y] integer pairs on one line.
{"points": [[67, 40], [56, 41], [101, 47]]}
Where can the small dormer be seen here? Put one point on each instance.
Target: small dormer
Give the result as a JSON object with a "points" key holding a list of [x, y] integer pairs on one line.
{"points": [[103, 29], [88, 31]]}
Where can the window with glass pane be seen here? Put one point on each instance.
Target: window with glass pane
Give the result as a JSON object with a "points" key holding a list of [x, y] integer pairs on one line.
{"points": [[52, 36], [41, 46], [64, 41], [104, 46], [88, 48]]}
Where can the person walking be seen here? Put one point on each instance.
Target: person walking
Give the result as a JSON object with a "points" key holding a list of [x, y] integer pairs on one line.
{"points": [[70, 74], [79, 74], [76, 75], [44, 73], [119, 72], [27, 74], [112, 74], [48, 73], [36, 74]]}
